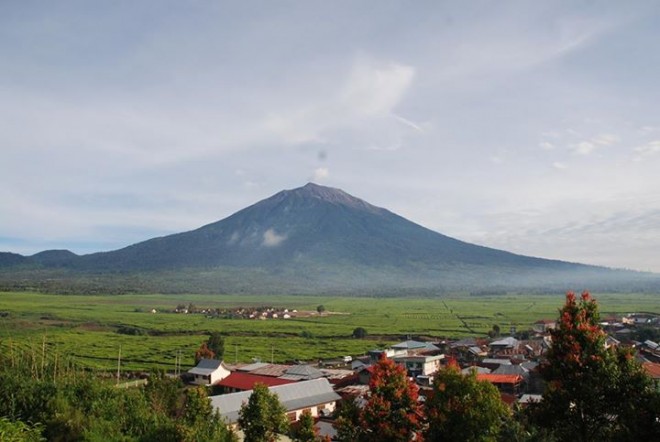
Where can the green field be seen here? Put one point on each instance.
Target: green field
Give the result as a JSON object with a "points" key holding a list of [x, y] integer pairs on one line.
{"points": [[85, 327]]}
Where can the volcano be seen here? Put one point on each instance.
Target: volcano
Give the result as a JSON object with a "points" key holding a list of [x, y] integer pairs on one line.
{"points": [[315, 239]]}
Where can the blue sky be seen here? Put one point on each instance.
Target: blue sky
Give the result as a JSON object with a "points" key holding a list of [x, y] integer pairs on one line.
{"points": [[527, 126]]}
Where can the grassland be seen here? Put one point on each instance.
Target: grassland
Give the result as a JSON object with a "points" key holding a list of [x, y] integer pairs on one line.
{"points": [[85, 327]]}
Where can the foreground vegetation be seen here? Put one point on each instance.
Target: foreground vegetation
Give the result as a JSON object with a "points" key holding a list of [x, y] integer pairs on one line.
{"points": [[90, 329], [592, 393]]}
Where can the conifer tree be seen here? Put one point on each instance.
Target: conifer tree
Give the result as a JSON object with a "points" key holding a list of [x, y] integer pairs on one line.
{"points": [[263, 416], [392, 411], [593, 392], [305, 431]]}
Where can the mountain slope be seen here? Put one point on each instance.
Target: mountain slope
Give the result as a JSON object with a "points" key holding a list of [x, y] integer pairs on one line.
{"points": [[320, 239], [311, 223]]}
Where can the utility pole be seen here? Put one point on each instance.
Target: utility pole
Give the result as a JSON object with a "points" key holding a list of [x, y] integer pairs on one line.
{"points": [[119, 365]]}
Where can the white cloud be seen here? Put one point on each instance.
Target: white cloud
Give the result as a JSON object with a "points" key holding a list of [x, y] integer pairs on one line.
{"points": [[545, 145], [583, 148], [559, 165], [648, 149], [272, 239], [375, 89], [408, 123], [605, 139], [370, 92], [320, 174]]}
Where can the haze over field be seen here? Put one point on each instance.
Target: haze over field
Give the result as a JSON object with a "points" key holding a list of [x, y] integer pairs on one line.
{"points": [[530, 127], [312, 239]]}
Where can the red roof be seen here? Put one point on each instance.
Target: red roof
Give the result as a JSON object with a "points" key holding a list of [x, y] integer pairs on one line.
{"points": [[653, 369], [245, 381], [499, 378]]}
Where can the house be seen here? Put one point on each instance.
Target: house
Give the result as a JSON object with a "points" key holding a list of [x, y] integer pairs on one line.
{"points": [[653, 370], [302, 373], [527, 399], [494, 363], [505, 383], [375, 355], [475, 369], [240, 381], [208, 372], [414, 347], [315, 396], [506, 345], [419, 365], [544, 325]]}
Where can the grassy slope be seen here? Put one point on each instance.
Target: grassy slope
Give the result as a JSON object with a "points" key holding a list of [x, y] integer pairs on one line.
{"points": [[85, 326]]}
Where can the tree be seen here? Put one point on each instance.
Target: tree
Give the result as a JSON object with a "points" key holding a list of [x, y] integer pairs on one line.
{"points": [[348, 424], [392, 412], [216, 344], [162, 393], [320, 309], [203, 352], [463, 408], [495, 331], [592, 392], [263, 416], [200, 421], [359, 333], [305, 430]]}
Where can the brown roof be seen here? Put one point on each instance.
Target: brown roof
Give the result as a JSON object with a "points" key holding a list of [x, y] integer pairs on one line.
{"points": [[275, 370], [653, 369], [500, 378]]}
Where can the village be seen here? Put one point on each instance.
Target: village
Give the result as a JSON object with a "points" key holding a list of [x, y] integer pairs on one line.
{"points": [[510, 363]]}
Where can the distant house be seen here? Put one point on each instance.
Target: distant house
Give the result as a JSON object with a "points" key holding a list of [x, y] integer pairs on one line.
{"points": [[527, 399], [653, 370], [544, 325], [506, 383], [419, 365], [414, 347], [503, 345], [302, 373], [208, 372], [475, 369], [315, 396]]}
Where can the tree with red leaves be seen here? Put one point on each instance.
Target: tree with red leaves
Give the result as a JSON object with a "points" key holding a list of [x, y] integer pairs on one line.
{"points": [[392, 412], [203, 352], [592, 392]]}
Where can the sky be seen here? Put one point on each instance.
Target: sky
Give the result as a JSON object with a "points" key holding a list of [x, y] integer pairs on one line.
{"points": [[528, 126]]}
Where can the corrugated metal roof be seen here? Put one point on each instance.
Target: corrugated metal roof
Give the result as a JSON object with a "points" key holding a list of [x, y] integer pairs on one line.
{"points": [[474, 368], [246, 381], [506, 342], [511, 369], [500, 378], [303, 372], [251, 367], [275, 370], [294, 396], [496, 361], [205, 366], [415, 345]]}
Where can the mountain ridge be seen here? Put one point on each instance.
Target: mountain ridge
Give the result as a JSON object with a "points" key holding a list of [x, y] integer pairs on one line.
{"points": [[320, 239]]}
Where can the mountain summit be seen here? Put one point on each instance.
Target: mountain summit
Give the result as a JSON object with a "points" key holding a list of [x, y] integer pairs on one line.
{"points": [[317, 239]]}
